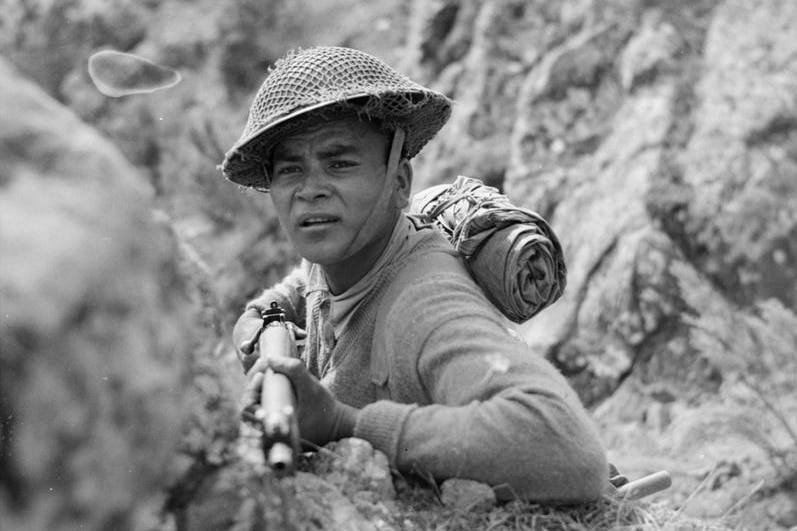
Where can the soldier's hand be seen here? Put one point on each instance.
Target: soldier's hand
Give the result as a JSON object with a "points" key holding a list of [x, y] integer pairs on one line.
{"points": [[245, 335], [322, 418]]}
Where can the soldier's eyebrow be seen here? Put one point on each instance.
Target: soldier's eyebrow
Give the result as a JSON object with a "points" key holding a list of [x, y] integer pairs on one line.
{"points": [[281, 156], [338, 149], [286, 153]]}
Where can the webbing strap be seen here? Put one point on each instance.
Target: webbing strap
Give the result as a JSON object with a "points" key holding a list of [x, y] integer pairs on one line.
{"points": [[395, 151]]}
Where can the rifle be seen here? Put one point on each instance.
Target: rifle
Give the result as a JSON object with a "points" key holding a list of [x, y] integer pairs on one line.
{"points": [[277, 410]]}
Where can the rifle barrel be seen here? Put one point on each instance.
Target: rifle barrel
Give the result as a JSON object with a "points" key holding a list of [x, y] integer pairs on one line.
{"points": [[278, 401], [280, 458]]}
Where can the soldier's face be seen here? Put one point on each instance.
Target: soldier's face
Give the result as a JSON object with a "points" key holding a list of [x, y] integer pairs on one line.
{"points": [[333, 196]]}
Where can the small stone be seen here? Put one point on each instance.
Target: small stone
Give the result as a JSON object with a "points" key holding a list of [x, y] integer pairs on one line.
{"points": [[467, 495], [315, 499], [354, 465]]}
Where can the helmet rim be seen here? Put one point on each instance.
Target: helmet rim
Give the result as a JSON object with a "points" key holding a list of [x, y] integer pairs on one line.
{"points": [[375, 90]]}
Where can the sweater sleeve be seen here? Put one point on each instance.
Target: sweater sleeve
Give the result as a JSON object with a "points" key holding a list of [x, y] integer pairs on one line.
{"points": [[486, 407]]}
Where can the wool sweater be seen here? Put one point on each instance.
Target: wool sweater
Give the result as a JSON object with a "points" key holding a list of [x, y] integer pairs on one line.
{"points": [[443, 387]]}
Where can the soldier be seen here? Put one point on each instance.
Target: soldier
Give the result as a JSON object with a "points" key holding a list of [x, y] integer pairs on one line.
{"points": [[402, 347]]}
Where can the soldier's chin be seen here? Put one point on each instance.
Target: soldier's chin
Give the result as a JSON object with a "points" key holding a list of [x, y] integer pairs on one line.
{"points": [[322, 255]]}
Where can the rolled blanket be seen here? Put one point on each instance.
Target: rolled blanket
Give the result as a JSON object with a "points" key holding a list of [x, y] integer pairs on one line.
{"points": [[511, 252]]}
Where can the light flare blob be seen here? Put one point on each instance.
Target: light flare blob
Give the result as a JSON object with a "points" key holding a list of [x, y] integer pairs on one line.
{"points": [[118, 74]]}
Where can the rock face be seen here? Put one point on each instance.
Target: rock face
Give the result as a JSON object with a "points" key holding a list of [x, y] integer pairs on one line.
{"points": [[657, 138], [652, 144], [740, 160], [92, 349]]}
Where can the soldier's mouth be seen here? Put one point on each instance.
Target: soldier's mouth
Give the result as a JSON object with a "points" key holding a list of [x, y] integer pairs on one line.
{"points": [[316, 221]]}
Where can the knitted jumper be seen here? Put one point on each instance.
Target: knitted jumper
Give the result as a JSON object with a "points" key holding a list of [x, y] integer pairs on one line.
{"points": [[443, 387]]}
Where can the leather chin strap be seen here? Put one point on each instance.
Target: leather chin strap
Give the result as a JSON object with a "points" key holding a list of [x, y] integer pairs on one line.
{"points": [[395, 151]]}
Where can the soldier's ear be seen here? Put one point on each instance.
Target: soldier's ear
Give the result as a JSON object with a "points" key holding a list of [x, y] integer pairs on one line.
{"points": [[403, 183]]}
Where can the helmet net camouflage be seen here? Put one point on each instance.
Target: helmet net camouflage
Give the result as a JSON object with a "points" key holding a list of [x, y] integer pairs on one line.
{"points": [[329, 81]]}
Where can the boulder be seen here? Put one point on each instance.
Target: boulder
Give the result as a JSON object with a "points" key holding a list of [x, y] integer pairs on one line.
{"points": [[92, 347]]}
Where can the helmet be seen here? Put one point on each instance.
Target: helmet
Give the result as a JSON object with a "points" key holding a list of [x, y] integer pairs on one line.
{"points": [[328, 81]]}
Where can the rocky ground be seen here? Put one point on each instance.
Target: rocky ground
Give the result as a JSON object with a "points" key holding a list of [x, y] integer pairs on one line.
{"points": [[658, 139]]}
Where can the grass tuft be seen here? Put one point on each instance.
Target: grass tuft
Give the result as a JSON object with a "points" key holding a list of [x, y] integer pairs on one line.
{"points": [[421, 510]]}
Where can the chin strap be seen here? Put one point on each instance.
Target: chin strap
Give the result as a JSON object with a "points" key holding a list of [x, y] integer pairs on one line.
{"points": [[395, 151]]}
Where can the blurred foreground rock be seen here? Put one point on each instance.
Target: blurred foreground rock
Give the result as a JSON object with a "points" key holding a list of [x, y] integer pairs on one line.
{"points": [[92, 341]]}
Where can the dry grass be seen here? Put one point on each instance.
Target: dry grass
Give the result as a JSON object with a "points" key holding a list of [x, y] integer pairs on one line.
{"points": [[420, 508], [607, 514]]}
